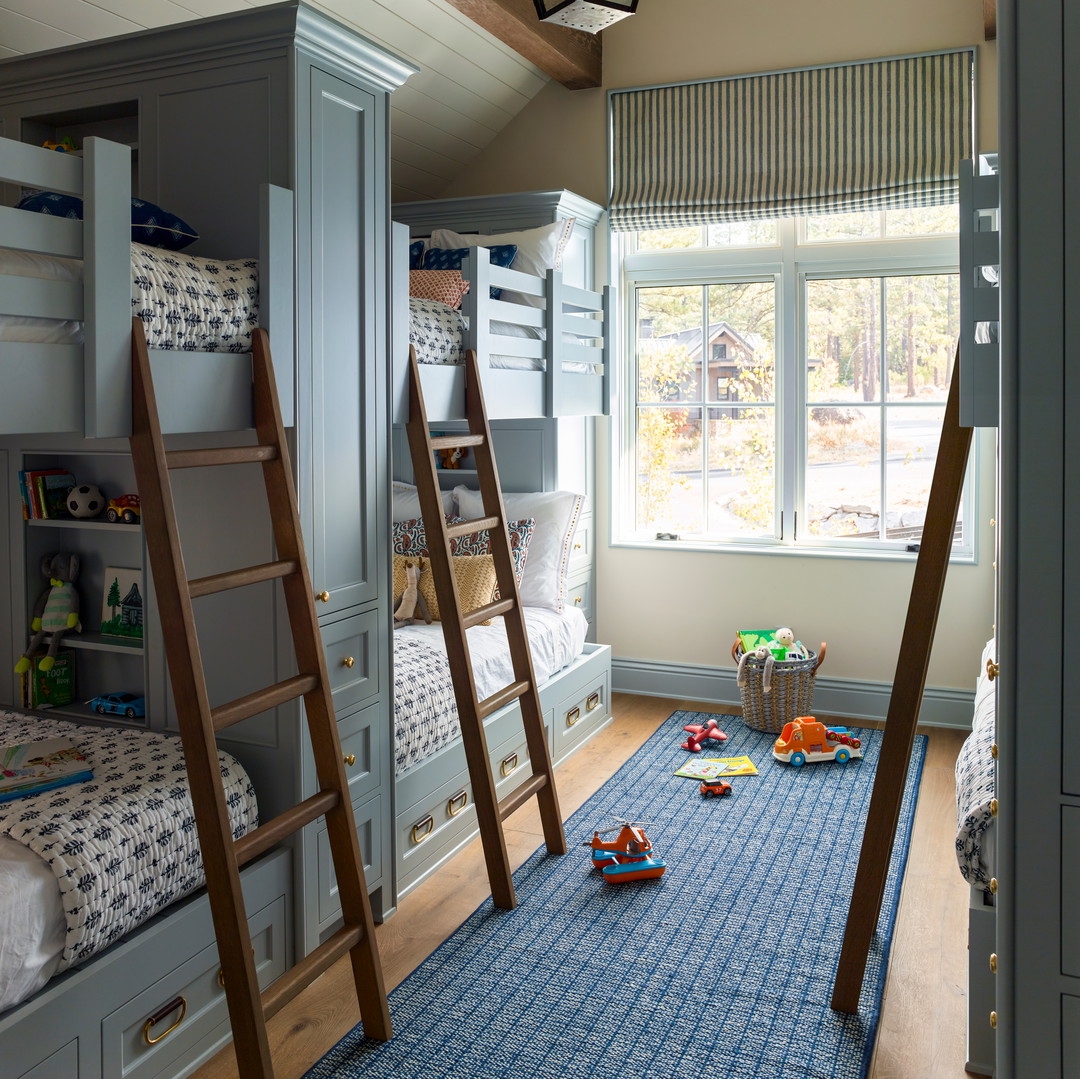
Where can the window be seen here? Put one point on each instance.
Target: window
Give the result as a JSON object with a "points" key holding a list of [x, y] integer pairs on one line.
{"points": [[787, 380]]}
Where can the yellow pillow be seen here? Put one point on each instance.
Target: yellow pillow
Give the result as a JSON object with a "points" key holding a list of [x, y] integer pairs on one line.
{"points": [[473, 573]]}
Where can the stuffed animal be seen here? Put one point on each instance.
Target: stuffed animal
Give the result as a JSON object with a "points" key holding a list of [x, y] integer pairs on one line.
{"points": [[56, 611], [784, 646], [760, 654], [451, 458], [406, 604]]}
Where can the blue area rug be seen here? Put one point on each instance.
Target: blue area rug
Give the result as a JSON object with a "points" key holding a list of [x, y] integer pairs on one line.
{"points": [[721, 968]]}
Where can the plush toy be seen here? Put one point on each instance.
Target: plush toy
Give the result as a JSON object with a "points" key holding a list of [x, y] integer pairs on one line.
{"points": [[784, 646], [406, 604], [760, 654], [451, 458], [56, 611]]}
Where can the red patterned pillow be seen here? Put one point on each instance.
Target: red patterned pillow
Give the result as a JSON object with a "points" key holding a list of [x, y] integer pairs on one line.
{"points": [[446, 286], [480, 542]]}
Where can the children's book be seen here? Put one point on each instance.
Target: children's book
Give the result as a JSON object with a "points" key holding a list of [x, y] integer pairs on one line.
{"points": [[52, 493], [714, 767], [754, 638], [34, 767]]}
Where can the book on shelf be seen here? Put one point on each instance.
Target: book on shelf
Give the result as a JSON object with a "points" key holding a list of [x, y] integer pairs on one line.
{"points": [[33, 767], [717, 768], [44, 492], [49, 689]]}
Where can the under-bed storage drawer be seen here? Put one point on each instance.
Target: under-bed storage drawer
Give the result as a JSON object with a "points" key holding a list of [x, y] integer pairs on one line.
{"points": [[153, 1031], [584, 704], [352, 658], [63, 1064]]}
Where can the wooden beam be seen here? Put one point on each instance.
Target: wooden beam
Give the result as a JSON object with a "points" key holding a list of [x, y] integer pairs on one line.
{"points": [[571, 57], [989, 20]]}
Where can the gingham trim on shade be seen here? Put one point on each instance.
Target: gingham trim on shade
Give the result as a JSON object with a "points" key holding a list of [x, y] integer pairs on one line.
{"points": [[871, 135]]}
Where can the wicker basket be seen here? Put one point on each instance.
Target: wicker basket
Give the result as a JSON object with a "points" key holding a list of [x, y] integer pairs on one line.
{"points": [[792, 686]]}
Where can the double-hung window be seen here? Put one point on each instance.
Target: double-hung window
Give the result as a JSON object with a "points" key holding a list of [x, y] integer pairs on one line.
{"points": [[784, 375]]}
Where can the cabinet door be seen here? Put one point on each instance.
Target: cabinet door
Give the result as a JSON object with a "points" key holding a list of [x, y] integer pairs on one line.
{"points": [[348, 248]]}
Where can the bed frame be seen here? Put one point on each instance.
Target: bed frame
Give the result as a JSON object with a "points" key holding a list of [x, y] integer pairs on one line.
{"points": [[87, 389]]}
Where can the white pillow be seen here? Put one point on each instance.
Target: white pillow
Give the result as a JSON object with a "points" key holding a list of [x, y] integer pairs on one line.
{"points": [[538, 250], [405, 502], [556, 515]]}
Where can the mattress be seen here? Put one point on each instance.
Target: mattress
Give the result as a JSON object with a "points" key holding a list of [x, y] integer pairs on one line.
{"points": [[187, 303], [83, 865], [975, 783], [425, 712], [437, 332]]}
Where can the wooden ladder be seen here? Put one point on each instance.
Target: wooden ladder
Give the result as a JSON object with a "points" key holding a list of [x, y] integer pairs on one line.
{"points": [[472, 712], [249, 1008]]}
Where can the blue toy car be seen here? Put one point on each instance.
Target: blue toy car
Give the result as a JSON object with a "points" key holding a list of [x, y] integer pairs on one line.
{"points": [[119, 704]]}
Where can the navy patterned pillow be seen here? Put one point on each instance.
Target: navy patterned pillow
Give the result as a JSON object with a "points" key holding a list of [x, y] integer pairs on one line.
{"points": [[480, 542], [451, 258], [150, 224], [416, 255]]}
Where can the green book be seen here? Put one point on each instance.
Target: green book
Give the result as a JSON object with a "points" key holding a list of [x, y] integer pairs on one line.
{"points": [[54, 688]]}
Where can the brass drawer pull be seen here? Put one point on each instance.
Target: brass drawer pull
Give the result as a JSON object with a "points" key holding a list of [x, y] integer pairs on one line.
{"points": [[457, 802], [993, 807], [348, 661], [573, 716], [579, 599], [509, 764], [592, 702], [577, 546], [428, 824], [992, 669], [160, 1014], [349, 759], [323, 597], [221, 976], [993, 962]]}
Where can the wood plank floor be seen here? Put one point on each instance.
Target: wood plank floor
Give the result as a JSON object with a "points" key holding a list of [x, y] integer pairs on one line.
{"points": [[921, 1035]]}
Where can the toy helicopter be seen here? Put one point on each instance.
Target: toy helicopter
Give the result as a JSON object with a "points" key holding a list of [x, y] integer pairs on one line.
{"points": [[626, 858]]}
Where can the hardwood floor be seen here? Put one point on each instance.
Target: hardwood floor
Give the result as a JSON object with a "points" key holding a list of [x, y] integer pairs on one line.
{"points": [[921, 1035]]}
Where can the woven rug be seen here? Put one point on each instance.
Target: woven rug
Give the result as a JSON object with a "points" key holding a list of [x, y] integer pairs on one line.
{"points": [[721, 968]]}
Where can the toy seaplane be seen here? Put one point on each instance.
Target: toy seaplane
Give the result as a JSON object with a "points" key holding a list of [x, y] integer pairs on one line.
{"points": [[628, 856]]}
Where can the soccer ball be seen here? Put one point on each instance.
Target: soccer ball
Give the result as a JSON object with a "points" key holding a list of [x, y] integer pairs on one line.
{"points": [[85, 501]]}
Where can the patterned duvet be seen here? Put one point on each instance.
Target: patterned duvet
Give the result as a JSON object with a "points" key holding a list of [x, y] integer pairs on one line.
{"points": [[123, 845], [975, 782]]}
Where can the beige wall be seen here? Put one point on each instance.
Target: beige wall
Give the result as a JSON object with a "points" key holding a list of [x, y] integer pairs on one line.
{"points": [[682, 606]]}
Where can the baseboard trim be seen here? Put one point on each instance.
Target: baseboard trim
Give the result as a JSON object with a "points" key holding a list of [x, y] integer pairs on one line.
{"points": [[835, 696]]}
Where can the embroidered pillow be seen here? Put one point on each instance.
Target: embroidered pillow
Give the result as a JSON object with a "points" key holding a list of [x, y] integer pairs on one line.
{"points": [[538, 250], [150, 224], [443, 258], [416, 254], [444, 286]]}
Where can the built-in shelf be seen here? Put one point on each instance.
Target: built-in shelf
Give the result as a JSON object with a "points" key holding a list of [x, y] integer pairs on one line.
{"points": [[77, 522], [102, 642]]}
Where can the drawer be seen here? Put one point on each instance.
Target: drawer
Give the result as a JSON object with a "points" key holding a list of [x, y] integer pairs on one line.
{"points": [[579, 593], [581, 713], [352, 659], [369, 831], [363, 738], [581, 546], [161, 1026], [63, 1064]]}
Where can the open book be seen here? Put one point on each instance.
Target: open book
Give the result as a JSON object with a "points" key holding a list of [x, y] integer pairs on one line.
{"points": [[39, 766]]}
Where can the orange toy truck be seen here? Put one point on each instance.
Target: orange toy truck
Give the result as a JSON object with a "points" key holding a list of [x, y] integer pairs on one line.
{"points": [[805, 740]]}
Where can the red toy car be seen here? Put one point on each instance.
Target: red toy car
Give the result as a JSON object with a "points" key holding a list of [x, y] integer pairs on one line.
{"points": [[715, 788]]}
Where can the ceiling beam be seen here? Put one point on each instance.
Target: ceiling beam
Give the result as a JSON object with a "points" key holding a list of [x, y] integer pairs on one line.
{"points": [[571, 57], [989, 19]]}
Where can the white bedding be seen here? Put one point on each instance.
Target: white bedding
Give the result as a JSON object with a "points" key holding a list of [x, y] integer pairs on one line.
{"points": [[425, 715]]}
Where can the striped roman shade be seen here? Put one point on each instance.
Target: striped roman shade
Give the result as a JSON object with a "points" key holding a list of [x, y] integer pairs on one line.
{"points": [[870, 135]]}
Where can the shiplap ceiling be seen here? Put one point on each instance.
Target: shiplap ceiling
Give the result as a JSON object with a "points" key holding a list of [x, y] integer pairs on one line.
{"points": [[469, 87]]}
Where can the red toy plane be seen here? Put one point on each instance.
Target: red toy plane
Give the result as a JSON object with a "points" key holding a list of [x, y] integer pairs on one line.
{"points": [[627, 857], [699, 734]]}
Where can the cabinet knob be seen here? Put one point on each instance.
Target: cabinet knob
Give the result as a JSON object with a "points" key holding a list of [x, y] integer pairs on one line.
{"points": [[577, 546], [993, 1020], [348, 661], [994, 751], [323, 597], [349, 759], [579, 599], [993, 885], [993, 962], [992, 669], [993, 807]]}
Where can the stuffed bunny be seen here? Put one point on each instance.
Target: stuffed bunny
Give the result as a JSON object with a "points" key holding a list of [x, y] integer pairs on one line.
{"points": [[410, 599], [56, 611]]}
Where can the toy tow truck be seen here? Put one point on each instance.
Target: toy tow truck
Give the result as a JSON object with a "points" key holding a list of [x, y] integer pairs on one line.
{"points": [[627, 857], [806, 741]]}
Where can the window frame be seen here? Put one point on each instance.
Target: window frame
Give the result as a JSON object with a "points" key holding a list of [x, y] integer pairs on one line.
{"points": [[790, 263]]}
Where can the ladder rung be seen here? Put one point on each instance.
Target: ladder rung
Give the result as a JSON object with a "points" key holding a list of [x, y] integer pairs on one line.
{"points": [[520, 795], [478, 524], [262, 700], [298, 978], [284, 824], [221, 582], [226, 455], [489, 610], [451, 442], [503, 697]]}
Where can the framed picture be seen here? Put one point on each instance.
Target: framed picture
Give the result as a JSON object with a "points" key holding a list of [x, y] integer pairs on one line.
{"points": [[122, 603]]}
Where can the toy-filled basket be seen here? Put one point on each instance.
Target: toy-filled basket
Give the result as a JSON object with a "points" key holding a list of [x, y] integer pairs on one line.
{"points": [[775, 692]]}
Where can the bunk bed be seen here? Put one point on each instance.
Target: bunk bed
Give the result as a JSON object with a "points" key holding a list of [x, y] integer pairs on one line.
{"points": [[76, 274]]}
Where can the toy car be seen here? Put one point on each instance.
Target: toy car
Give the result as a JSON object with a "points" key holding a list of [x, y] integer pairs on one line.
{"points": [[126, 508], [627, 857], [119, 704], [715, 787], [805, 740]]}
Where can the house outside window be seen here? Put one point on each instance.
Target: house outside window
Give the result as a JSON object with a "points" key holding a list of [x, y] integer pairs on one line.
{"points": [[835, 334]]}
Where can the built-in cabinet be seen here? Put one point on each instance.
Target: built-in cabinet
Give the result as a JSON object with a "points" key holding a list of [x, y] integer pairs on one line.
{"points": [[214, 108]]}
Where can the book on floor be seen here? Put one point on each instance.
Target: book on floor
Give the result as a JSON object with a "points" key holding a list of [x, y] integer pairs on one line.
{"points": [[717, 767], [33, 767]]}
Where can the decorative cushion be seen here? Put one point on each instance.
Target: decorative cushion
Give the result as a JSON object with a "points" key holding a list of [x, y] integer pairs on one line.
{"points": [[405, 503], [473, 574], [416, 254], [555, 514], [150, 224], [441, 258], [443, 286], [520, 533], [538, 250]]}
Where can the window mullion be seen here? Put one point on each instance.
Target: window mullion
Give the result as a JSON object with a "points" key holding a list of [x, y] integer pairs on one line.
{"points": [[789, 393]]}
